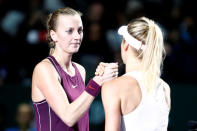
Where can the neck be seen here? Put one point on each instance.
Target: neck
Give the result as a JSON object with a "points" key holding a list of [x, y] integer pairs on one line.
{"points": [[63, 59], [133, 65]]}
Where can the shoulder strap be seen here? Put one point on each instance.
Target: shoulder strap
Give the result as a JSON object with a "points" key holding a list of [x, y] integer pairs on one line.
{"points": [[56, 65], [137, 76], [76, 68]]}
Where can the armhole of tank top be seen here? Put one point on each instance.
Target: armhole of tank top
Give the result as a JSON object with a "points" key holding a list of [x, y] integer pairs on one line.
{"points": [[133, 75], [40, 102], [76, 69], [142, 95], [77, 72], [53, 62]]}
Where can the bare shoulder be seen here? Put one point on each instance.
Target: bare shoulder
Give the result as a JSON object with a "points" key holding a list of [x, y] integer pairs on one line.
{"points": [[112, 85], [120, 85], [43, 65], [42, 71], [120, 92], [110, 90]]}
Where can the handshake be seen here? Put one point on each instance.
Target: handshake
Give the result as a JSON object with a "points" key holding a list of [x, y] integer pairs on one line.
{"points": [[107, 71]]}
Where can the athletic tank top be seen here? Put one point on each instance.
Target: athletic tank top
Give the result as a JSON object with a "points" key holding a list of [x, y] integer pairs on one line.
{"points": [[46, 118], [152, 112]]}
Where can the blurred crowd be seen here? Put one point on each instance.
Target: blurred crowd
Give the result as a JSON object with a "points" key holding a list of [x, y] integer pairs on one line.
{"points": [[23, 43]]}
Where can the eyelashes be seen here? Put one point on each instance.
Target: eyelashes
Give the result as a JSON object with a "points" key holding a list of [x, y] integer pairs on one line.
{"points": [[80, 30], [70, 31]]}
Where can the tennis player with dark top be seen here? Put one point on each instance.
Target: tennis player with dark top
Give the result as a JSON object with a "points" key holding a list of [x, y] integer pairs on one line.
{"points": [[60, 98]]}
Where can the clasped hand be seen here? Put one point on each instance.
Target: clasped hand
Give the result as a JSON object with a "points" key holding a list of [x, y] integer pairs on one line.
{"points": [[107, 71]]}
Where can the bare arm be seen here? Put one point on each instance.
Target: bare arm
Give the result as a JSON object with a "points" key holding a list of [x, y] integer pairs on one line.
{"points": [[111, 103], [46, 80]]}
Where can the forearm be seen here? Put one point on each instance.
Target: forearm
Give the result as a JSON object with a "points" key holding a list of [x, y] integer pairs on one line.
{"points": [[78, 107]]}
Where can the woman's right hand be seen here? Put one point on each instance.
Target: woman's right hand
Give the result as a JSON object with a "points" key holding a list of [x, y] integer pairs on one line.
{"points": [[106, 71]]}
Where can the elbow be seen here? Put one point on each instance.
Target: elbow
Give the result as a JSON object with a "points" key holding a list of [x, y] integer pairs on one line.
{"points": [[69, 121], [69, 117], [70, 124]]}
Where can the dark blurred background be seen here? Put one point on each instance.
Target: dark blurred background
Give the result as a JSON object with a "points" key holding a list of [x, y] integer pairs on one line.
{"points": [[23, 45]]}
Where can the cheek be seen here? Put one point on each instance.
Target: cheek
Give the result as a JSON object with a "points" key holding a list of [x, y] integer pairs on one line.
{"points": [[63, 41], [81, 37], [65, 38]]}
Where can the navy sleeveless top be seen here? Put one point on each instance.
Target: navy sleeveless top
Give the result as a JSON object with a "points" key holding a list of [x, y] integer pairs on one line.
{"points": [[46, 118]]}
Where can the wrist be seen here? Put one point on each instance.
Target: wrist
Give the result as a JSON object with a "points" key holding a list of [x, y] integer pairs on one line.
{"points": [[98, 80], [93, 88]]}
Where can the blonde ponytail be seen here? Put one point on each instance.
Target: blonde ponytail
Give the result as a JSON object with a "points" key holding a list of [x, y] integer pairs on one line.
{"points": [[150, 34]]}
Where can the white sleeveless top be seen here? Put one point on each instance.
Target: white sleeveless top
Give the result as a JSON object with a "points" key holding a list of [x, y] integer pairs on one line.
{"points": [[152, 112]]}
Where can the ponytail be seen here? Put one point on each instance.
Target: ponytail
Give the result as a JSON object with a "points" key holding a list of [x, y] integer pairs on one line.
{"points": [[48, 37], [152, 55], [149, 33]]}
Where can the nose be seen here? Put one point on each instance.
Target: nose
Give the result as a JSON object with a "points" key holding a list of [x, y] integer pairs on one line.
{"points": [[77, 35]]}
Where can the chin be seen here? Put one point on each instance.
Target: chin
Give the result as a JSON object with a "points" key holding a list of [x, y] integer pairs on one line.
{"points": [[75, 51]]}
